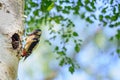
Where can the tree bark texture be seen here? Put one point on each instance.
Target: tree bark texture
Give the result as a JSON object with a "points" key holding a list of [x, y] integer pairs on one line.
{"points": [[11, 22]]}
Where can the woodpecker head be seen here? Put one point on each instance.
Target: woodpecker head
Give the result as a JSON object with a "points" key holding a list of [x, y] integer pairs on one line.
{"points": [[36, 32]]}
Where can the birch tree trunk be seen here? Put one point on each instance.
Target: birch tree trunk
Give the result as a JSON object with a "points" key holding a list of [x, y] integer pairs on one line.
{"points": [[11, 23]]}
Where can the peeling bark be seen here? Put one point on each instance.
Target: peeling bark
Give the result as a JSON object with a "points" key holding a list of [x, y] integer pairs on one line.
{"points": [[11, 22]]}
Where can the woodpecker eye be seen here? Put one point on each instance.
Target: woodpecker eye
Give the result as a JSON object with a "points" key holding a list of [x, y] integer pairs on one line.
{"points": [[15, 41]]}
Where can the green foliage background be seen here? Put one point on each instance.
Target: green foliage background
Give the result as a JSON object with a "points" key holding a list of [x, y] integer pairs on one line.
{"points": [[48, 12]]}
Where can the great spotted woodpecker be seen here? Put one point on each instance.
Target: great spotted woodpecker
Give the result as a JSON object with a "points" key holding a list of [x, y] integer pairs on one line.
{"points": [[31, 41]]}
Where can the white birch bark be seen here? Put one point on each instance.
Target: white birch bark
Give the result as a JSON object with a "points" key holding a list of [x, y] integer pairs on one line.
{"points": [[11, 22]]}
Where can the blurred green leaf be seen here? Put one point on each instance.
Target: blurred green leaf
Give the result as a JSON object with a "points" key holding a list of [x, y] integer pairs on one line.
{"points": [[118, 31], [86, 1], [119, 8], [111, 1], [82, 15], [114, 18], [61, 53], [104, 23], [36, 12], [65, 11], [79, 2], [46, 5], [114, 10], [93, 5], [100, 17], [71, 69], [89, 20], [104, 9], [56, 48], [33, 4], [66, 40], [68, 7], [117, 23], [118, 35], [64, 35], [75, 34], [62, 61], [118, 50], [76, 9], [107, 16], [59, 8], [111, 25], [77, 48], [88, 9], [51, 6], [69, 60]]}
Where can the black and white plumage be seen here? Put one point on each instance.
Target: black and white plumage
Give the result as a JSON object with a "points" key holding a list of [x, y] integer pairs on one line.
{"points": [[31, 42]]}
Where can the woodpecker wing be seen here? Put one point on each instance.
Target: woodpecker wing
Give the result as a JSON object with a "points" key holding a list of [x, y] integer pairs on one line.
{"points": [[29, 41], [34, 43]]}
